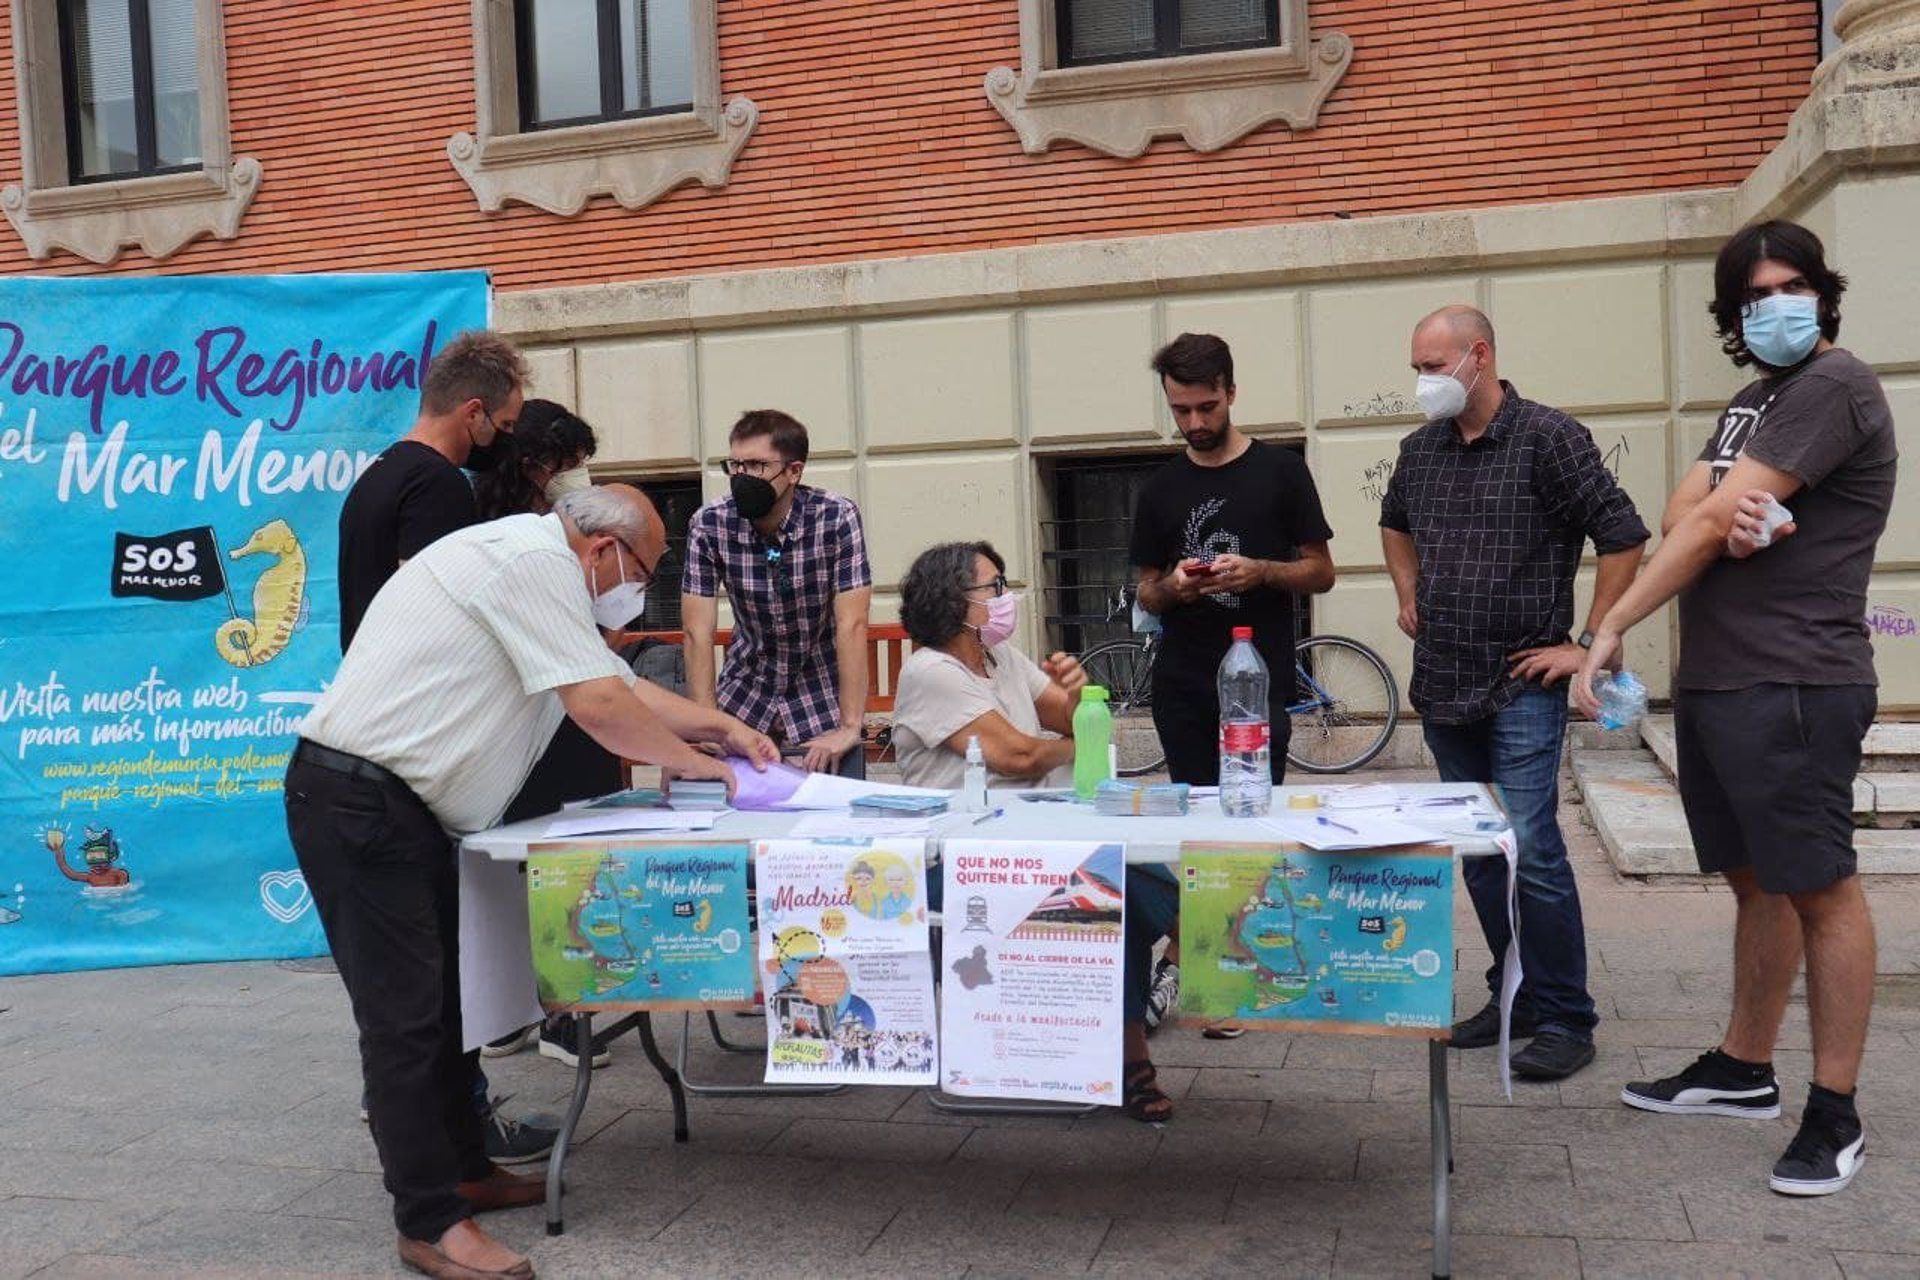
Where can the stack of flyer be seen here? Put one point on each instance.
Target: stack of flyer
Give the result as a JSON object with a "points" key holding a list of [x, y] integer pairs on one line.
{"points": [[1140, 799], [687, 793]]}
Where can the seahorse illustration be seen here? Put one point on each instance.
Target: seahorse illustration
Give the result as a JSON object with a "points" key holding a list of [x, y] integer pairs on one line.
{"points": [[278, 599]]}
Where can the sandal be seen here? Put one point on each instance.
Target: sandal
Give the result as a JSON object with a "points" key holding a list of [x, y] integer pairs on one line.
{"points": [[1141, 1097]]}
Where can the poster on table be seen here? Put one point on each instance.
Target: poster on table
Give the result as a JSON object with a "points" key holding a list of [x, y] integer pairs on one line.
{"points": [[174, 453], [845, 963], [639, 926], [1281, 937], [1031, 955]]}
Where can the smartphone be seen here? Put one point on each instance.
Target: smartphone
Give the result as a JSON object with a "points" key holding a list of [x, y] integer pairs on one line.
{"points": [[1201, 570]]}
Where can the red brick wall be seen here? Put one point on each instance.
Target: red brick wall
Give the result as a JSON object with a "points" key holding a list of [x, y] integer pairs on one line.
{"points": [[876, 140]]}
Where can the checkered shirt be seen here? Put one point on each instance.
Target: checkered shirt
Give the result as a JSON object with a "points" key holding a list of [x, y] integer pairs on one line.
{"points": [[1498, 525], [780, 674]]}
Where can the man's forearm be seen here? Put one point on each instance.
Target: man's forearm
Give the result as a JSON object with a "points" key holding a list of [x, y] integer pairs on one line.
{"points": [[1301, 577], [850, 661], [1611, 581], [685, 717], [1403, 564], [698, 650], [1683, 556], [1153, 595]]}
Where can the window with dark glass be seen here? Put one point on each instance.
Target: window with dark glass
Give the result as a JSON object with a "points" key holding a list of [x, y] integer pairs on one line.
{"points": [[131, 84], [676, 498], [1094, 31], [584, 61]]}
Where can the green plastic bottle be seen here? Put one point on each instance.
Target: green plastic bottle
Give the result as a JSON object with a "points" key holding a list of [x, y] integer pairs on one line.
{"points": [[1092, 735]]}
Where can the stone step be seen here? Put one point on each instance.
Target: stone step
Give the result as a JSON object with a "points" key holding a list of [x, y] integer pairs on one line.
{"points": [[1631, 800], [1886, 792]]}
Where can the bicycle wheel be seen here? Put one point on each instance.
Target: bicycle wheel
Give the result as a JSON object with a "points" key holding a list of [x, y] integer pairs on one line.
{"points": [[1125, 669], [1345, 705]]}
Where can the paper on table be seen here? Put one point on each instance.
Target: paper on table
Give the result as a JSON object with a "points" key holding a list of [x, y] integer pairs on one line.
{"points": [[599, 822], [827, 791], [753, 789], [1373, 795], [1349, 831]]}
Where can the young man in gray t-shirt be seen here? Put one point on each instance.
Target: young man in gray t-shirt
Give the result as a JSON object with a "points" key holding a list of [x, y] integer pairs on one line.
{"points": [[1775, 688]]}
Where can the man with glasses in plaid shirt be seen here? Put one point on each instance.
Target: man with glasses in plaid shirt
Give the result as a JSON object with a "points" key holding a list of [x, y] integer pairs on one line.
{"points": [[793, 559]]}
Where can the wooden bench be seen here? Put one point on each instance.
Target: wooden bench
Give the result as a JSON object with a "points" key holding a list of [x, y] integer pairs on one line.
{"points": [[887, 649]]}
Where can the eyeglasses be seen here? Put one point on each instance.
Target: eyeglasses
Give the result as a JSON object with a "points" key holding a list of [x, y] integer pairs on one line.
{"points": [[997, 584], [760, 467], [645, 573]]}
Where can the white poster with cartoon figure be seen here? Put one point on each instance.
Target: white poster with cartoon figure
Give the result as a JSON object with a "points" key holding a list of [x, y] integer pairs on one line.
{"points": [[845, 962], [1031, 969]]}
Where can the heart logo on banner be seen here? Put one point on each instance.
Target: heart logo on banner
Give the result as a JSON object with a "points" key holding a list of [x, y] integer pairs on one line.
{"points": [[285, 895]]}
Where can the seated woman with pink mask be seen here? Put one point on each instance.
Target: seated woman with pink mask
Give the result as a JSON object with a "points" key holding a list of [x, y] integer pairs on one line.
{"points": [[965, 679]]}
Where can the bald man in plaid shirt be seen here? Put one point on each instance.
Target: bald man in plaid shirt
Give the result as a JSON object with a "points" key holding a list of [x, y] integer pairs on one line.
{"points": [[793, 559]]}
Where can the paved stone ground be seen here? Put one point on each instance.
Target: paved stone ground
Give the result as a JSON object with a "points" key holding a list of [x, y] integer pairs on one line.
{"points": [[201, 1121]]}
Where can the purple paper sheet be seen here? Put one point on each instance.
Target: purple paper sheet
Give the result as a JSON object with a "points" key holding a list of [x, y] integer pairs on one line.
{"points": [[756, 790]]}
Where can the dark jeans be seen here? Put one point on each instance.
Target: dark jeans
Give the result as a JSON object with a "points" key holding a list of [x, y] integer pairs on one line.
{"points": [[383, 878], [1518, 750], [1188, 722], [1153, 913]]}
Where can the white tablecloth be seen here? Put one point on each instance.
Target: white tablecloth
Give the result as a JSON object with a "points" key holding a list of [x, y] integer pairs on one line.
{"points": [[497, 992]]}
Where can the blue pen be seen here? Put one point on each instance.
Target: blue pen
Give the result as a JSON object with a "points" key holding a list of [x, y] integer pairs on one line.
{"points": [[1325, 821], [991, 813]]}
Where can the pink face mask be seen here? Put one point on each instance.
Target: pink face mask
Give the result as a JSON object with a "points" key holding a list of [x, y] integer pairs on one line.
{"points": [[1003, 615]]}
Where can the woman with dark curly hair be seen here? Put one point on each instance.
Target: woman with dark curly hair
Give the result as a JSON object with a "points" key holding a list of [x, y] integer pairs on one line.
{"points": [[966, 680], [545, 457]]}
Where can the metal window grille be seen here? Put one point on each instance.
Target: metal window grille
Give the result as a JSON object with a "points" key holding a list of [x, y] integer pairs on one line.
{"points": [[1094, 31]]}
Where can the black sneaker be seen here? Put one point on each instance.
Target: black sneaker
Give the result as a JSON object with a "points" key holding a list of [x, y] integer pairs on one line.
{"points": [[1715, 1085], [511, 1141], [561, 1039], [1553, 1055], [1164, 995], [1823, 1156], [1483, 1028]]}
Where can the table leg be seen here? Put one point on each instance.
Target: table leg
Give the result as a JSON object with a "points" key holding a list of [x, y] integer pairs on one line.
{"points": [[1442, 1132], [582, 1084], [667, 1073]]}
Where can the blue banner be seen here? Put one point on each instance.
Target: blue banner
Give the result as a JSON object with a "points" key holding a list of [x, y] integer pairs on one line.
{"points": [[173, 457]]}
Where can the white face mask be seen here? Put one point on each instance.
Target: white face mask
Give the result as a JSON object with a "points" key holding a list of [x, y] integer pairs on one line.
{"points": [[562, 483], [1442, 395], [620, 603]]}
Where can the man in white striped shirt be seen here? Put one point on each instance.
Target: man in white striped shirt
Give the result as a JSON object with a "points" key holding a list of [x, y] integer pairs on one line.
{"points": [[465, 664]]}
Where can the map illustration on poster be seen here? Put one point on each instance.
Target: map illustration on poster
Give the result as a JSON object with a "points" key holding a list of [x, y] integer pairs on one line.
{"points": [[174, 453], [1278, 936], [621, 926]]}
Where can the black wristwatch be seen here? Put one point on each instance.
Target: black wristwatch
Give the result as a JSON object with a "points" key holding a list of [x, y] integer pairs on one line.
{"points": [[1586, 639]]}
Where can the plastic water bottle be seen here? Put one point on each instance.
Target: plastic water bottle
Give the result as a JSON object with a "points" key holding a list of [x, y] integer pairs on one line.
{"points": [[1246, 774], [973, 785], [1092, 735], [1623, 700]]}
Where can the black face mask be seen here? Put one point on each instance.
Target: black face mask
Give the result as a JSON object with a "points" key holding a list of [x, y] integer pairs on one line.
{"points": [[485, 457], [755, 497]]}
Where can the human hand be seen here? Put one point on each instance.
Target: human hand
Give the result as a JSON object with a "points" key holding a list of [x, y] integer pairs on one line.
{"points": [[699, 768], [1602, 655], [750, 744], [1234, 575], [1749, 523], [1065, 670], [824, 752], [1185, 582], [1409, 620], [1549, 663]]}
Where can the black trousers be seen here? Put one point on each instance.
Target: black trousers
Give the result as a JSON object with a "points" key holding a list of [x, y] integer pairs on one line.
{"points": [[383, 877], [1188, 722]]}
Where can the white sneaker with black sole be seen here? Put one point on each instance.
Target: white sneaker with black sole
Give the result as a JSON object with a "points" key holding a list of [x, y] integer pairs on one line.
{"points": [[1714, 1085], [1823, 1156]]}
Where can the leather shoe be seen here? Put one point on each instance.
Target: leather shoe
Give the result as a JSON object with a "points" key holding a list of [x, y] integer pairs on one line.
{"points": [[502, 1189], [1483, 1028], [429, 1259], [1553, 1055]]}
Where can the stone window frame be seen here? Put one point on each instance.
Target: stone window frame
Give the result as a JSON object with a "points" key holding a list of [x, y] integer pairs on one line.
{"points": [[161, 213], [636, 161], [1208, 99]]}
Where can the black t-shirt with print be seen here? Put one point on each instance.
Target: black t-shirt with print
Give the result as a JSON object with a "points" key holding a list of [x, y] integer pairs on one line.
{"points": [[408, 499], [1263, 505], [1795, 612]]}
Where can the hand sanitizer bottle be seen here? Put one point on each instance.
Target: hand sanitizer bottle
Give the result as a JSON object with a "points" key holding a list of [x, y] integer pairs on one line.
{"points": [[973, 788]]}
